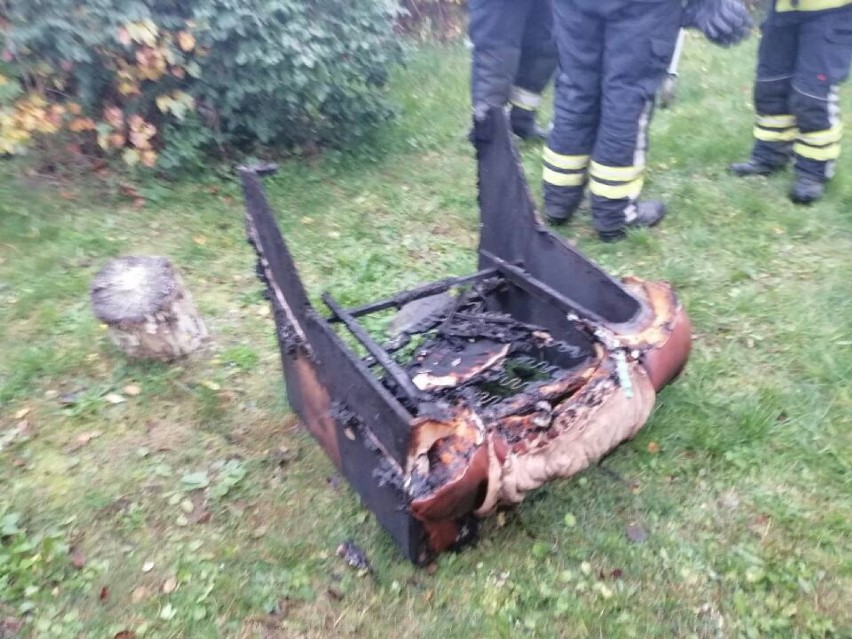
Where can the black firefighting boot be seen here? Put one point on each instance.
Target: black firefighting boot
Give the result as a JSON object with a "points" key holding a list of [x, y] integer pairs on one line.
{"points": [[806, 189], [557, 215], [561, 203], [524, 125], [640, 214], [754, 166]]}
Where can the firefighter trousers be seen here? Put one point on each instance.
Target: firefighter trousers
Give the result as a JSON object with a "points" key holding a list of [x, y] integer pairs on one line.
{"points": [[514, 54], [802, 59], [613, 55]]}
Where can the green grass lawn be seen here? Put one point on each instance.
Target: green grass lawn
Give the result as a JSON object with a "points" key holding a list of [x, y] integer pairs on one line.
{"points": [[197, 507]]}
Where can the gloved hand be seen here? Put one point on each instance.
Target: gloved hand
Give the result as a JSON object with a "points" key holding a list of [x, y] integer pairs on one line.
{"points": [[723, 22]]}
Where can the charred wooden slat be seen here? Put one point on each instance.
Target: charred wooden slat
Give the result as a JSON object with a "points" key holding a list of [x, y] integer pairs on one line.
{"points": [[494, 318], [403, 298], [534, 286], [397, 373]]}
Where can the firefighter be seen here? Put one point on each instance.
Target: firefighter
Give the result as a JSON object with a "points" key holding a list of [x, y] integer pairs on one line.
{"points": [[805, 52], [613, 55], [514, 58]]}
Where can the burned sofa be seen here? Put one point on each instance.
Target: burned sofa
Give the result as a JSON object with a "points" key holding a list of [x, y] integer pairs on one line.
{"points": [[526, 371]]}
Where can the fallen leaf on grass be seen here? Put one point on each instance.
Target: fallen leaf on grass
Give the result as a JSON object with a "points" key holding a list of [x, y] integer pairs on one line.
{"points": [[69, 399], [148, 566], [132, 389], [201, 517], [139, 594], [104, 594], [195, 481], [22, 413], [21, 431], [603, 590], [635, 533], [82, 439], [170, 585], [353, 555], [114, 398], [11, 626]]}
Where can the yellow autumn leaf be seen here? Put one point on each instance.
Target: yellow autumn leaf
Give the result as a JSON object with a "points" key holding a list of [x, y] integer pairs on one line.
{"points": [[116, 140], [143, 32], [186, 41], [128, 87], [163, 103], [130, 157], [148, 158], [78, 125]]}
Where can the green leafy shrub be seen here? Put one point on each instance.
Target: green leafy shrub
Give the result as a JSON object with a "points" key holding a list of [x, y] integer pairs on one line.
{"points": [[166, 81]]}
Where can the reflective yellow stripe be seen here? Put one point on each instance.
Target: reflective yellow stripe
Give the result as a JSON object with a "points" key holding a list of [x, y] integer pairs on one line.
{"points": [[776, 121], [520, 105], [768, 135], [810, 5], [820, 154], [630, 190], [615, 173], [563, 179], [570, 162], [820, 138], [524, 99]]}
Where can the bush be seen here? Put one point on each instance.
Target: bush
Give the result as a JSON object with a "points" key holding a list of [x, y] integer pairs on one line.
{"points": [[160, 81]]}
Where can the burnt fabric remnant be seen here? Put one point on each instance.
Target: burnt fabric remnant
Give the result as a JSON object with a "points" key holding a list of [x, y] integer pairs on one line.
{"points": [[487, 385]]}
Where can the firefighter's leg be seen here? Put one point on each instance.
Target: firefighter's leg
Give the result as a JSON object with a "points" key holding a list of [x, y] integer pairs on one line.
{"points": [[775, 124], [825, 52], [639, 43], [535, 69], [576, 109], [496, 29]]}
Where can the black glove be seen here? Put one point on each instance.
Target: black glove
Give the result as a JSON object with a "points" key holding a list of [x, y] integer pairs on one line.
{"points": [[724, 22]]}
